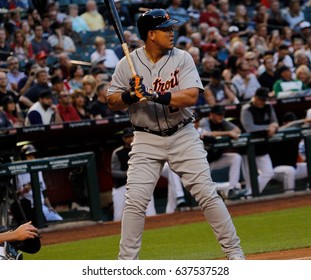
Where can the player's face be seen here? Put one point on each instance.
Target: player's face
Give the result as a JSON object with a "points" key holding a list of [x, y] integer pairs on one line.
{"points": [[165, 37]]}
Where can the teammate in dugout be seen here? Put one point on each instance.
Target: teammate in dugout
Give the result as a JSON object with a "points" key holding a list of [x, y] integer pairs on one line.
{"points": [[164, 131]]}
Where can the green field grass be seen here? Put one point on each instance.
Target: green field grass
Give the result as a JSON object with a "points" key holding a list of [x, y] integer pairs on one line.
{"points": [[278, 230]]}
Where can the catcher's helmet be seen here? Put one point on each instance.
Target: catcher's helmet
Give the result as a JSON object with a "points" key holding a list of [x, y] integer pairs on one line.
{"points": [[152, 20], [27, 150]]}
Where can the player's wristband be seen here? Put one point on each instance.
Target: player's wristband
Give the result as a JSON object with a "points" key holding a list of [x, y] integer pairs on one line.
{"points": [[162, 97], [128, 99]]}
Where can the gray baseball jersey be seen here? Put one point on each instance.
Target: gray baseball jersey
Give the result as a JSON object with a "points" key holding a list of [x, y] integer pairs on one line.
{"points": [[175, 71]]}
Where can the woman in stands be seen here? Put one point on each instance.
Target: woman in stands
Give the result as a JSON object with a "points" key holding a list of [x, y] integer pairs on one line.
{"points": [[78, 101]]}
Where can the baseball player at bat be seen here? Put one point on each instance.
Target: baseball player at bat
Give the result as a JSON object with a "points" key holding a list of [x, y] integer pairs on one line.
{"points": [[164, 131]]}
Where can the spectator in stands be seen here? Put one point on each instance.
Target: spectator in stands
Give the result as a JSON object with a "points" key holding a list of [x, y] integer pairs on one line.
{"points": [[179, 13], [21, 47], [24, 190], [218, 92], [253, 62], [65, 64], [100, 74], [4, 123], [4, 89], [69, 32], [46, 24], [286, 84], [67, 112], [25, 83], [245, 81], [286, 168], [293, 14], [282, 58], [32, 94], [57, 86], [76, 76], [54, 13], [123, 13], [210, 15], [305, 30], [55, 70], [99, 108], [208, 65], [5, 51], [259, 118], [275, 20], [224, 11], [102, 52], [60, 42], [132, 41], [241, 20], [303, 74], [13, 75], [238, 49], [33, 17], [41, 61], [119, 166], [274, 40], [38, 43], [79, 101], [216, 126], [29, 34], [43, 111], [261, 14], [231, 68], [301, 58], [194, 11], [92, 17], [11, 112], [258, 41], [78, 23], [89, 87], [268, 77]]}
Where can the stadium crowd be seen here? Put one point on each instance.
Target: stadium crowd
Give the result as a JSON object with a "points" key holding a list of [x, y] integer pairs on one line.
{"points": [[56, 60]]}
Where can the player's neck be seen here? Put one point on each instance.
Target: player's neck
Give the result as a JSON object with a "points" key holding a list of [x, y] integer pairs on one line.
{"points": [[152, 54]]}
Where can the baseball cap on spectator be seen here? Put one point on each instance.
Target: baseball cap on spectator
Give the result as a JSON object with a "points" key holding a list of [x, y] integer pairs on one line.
{"points": [[262, 93], [218, 109], [128, 132], [233, 29], [283, 69], [45, 94], [7, 99], [41, 54], [304, 24]]}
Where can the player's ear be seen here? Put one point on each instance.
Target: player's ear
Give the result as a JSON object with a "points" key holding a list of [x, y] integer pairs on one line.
{"points": [[151, 35]]}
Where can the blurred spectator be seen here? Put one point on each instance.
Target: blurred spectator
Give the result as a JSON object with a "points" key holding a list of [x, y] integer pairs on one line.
{"points": [[55, 70], [92, 17], [78, 23], [109, 56], [177, 12], [282, 58], [245, 81], [99, 108], [57, 86], [5, 51], [54, 13], [303, 74], [76, 76], [194, 11], [4, 89], [123, 13], [224, 11], [12, 114], [275, 20], [274, 40], [41, 60], [218, 92], [21, 47], [231, 68], [195, 53], [268, 77], [210, 15], [258, 41], [238, 49], [33, 17], [46, 24], [38, 43], [89, 87], [261, 14], [60, 42], [305, 30], [259, 118], [131, 39], [297, 43], [293, 14], [28, 32], [79, 101], [100, 74], [13, 75], [69, 32], [208, 65], [242, 21], [25, 83], [286, 84], [42, 111], [65, 64], [32, 94], [301, 58], [216, 126], [253, 62], [65, 109]]}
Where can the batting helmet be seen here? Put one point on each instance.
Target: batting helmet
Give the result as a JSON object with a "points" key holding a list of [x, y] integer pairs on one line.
{"points": [[27, 150], [152, 20]]}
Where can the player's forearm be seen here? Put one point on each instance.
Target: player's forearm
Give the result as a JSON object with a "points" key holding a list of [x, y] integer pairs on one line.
{"points": [[184, 98], [115, 102]]}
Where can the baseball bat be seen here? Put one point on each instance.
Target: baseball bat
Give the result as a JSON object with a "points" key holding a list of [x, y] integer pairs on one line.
{"points": [[116, 22]]}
